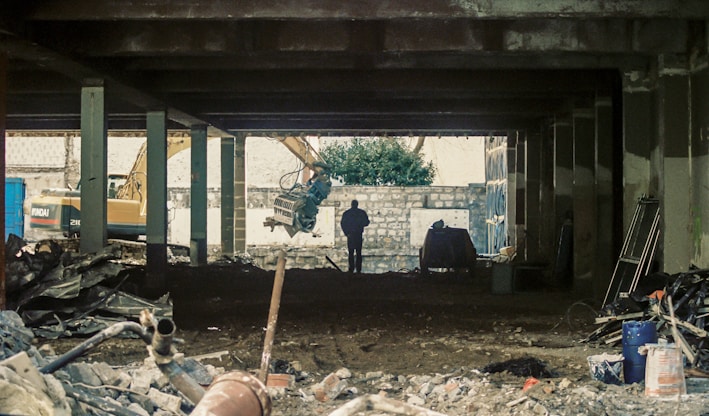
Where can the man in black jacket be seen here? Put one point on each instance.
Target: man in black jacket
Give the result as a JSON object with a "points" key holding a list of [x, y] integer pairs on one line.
{"points": [[353, 222]]}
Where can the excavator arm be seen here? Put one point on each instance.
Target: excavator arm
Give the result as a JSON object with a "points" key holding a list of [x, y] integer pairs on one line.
{"points": [[296, 210], [136, 184]]}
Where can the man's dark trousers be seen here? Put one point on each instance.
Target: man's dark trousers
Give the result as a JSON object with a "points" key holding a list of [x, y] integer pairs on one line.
{"points": [[354, 249]]}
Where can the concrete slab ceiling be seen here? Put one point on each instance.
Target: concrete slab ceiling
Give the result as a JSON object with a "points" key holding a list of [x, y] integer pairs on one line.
{"points": [[329, 66]]}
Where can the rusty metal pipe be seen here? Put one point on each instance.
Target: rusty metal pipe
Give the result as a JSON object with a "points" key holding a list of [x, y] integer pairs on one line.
{"points": [[163, 352], [273, 315], [163, 336], [236, 393], [95, 340], [182, 381]]}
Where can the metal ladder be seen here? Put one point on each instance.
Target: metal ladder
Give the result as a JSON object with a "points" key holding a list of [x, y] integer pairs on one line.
{"points": [[638, 251]]}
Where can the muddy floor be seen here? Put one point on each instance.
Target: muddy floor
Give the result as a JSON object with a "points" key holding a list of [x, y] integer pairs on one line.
{"points": [[398, 324]]}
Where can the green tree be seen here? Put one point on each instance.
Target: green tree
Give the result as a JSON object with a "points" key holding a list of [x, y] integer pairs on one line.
{"points": [[377, 161]]}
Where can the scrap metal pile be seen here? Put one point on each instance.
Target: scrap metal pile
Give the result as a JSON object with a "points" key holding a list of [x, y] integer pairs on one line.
{"points": [[677, 304], [61, 293]]}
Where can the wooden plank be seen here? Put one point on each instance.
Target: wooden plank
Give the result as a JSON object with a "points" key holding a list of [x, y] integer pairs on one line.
{"points": [[613, 318]]}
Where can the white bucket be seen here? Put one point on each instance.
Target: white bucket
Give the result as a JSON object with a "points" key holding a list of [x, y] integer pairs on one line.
{"points": [[664, 371]]}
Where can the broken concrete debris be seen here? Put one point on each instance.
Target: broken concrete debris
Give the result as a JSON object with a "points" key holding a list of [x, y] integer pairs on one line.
{"points": [[61, 293], [50, 385]]}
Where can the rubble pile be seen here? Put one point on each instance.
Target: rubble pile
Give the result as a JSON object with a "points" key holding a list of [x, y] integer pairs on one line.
{"points": [[468, 391], [678, 306], [59, 293], [81, 387]]}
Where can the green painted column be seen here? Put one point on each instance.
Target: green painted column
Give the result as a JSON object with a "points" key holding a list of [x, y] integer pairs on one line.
{"points": [[198, 196], [584, 201], [156, 219], [94, 179], [227, 196], [240, 193]]}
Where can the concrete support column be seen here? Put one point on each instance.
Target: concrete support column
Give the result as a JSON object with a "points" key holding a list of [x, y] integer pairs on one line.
{"points": [[94, 180], [605, 255], [156, 218], [548, 232], [198, 197], [227, 196], [511, 205], [639, 137], [563, 170], [563, 198], [240, 193], [521, 198], [700, 163], [3, 112], [674, 140], [584, 200], [532, 221]]}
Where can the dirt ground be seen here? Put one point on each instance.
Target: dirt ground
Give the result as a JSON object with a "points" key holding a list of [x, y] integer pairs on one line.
{"points": [[396, 323]]}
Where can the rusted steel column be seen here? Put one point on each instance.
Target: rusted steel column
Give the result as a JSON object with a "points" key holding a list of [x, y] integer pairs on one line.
{"points": [[273, 315], [3, 110]]}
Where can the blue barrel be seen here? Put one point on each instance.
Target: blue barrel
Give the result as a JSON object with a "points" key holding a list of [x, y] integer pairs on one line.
{"points": [[636, 334], [14, 198]]}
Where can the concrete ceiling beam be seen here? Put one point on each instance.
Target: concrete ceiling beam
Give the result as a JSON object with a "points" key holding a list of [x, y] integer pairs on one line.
{"points": [[362, 9]]}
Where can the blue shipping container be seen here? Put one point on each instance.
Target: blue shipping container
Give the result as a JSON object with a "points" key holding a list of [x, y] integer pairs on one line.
{"points": [[14, 198]]}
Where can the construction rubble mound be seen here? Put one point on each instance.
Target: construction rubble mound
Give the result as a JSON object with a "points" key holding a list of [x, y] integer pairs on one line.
{"points": [[61, 293]]}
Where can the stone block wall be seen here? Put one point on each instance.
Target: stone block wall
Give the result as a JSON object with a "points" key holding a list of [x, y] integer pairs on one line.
{"points": [[388, 244], [399, 215]]}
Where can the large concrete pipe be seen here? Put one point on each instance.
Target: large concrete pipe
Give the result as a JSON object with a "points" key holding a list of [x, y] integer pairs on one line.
{"points": [[236, 393]]}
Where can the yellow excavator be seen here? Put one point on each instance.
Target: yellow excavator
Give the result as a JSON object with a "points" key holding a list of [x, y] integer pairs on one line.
{"points": [[297, 208], [59, 210]]}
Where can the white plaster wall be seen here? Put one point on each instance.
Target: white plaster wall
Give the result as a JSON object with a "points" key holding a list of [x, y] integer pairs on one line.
{"points": [[45, 152], [458, 160], [422, 218]]}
